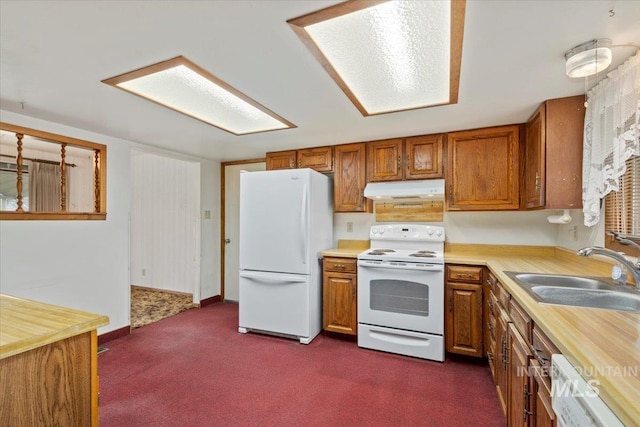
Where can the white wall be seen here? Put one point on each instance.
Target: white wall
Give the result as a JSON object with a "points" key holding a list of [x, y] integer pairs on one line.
{"points": [[78, 264], [503, 227], [165, 223], [85, 264]]}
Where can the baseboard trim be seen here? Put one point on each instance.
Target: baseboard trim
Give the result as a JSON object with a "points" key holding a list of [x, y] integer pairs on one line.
{"points": [[110, 336], [208, 301]]}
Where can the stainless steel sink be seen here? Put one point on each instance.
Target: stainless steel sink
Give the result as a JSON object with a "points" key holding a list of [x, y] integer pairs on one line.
{"points": [[596, 292], [563, 281]]}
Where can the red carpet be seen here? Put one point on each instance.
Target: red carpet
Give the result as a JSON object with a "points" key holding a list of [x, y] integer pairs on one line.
{"points": [[194, 369]]}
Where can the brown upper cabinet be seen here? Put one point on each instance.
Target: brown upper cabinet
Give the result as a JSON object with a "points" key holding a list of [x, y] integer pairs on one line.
{"points": [[349, 178], [553, 155], [418, 157], [317, 158], [482, 171], [282, 160]]}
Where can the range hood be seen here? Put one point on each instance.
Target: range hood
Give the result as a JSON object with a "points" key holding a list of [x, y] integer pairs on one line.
{"points": [[404, 191]]}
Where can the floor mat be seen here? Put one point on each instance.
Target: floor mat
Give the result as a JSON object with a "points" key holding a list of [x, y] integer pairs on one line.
{"points": [[150, 305]]}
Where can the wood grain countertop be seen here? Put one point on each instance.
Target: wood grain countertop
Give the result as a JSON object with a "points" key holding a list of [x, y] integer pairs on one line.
{"points": [[25, 324], [604, 345], [347, 249]]}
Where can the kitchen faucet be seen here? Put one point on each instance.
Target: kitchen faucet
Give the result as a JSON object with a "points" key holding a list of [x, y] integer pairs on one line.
{"points": [[634, 269]]}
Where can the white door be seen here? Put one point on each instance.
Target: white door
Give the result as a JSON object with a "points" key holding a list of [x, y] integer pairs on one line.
{"points": [[274, 221], [231, 225]]}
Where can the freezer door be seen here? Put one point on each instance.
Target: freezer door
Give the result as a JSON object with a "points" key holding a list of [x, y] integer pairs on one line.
{"points": [[274, 302], [274, 221]]}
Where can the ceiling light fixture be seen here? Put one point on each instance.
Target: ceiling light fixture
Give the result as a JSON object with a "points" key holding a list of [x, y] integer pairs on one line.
{"points": [[183, 86], [389, 56], [588, 58]]}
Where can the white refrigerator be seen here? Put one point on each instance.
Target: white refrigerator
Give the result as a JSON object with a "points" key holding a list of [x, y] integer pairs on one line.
{"points": [[286, 219]]}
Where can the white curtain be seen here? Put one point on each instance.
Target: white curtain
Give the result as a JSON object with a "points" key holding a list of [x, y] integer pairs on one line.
{"points": [[611, 134]]}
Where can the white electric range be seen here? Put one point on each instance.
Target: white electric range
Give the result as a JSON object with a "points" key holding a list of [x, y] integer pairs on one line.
{"points": [[401, 291]]}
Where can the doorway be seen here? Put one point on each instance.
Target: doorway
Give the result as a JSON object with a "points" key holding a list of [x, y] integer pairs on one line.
{"points": [[230, 209], [164, 234]]}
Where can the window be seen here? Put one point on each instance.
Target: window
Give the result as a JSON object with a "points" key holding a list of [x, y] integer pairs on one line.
{"points": [[622, 208], [47, 176]]}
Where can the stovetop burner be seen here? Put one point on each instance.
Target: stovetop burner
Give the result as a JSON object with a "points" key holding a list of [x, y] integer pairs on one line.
{"points": [[380, 251], [417, 244]]}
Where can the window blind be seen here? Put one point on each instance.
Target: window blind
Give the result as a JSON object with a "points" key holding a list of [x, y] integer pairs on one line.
{"points": [[622, 207]]}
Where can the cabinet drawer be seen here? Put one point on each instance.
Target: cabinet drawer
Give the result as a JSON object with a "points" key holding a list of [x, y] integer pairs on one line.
{"points": [[467, 274], [542, 348], [341, 265], [492, 303], [521, 320], [492, 281], [491, 327], [502, 296]]}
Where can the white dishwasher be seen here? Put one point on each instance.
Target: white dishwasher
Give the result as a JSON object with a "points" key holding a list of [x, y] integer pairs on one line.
{"points": [[575, 401]]}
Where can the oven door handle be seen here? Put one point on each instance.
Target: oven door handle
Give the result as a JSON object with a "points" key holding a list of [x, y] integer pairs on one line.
{"points": [[404, 266]]}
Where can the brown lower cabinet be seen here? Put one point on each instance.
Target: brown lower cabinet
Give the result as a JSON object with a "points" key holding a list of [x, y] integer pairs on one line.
{"points": [[543, 415], [339, 295], [519, 356], [56, 383], [463, 310]]}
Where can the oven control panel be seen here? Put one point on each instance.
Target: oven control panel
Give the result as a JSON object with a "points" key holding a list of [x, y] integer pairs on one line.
{"points": [[408, 232]]}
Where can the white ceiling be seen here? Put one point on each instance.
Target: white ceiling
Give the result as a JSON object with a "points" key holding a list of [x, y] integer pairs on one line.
{"points": [[55, 53]]}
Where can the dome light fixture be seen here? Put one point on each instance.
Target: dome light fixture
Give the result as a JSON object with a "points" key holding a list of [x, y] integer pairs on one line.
{"points": [[588, 58]]}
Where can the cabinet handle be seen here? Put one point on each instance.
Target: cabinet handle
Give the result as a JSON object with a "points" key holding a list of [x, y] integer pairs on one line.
{"points": [[464, 276], [489, 355], [537, 182], [526, 394], [292, 164], [399, 161], [489, 326], [540, 355], [450, 303], [299, 164]]}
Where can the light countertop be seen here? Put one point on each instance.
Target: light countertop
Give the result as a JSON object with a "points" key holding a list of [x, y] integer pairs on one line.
{"points": [[347, 249], [604, 345], [25, 324]]}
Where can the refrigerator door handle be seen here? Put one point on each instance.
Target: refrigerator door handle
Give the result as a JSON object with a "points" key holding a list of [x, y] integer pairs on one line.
{"points": [[303, 223], [287, 278]]}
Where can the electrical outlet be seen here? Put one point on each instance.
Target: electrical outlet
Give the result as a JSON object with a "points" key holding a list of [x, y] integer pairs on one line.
{"points": [[207, 214], [349, 227], [144, 271]]}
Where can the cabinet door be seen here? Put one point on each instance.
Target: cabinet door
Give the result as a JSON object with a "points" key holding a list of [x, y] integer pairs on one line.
{"points": [[534, 164], [519, 401], [502, 359], [564, 145], [281, 160], [463, 319], [544, 416], [339, 313], [384, 160], [483, 169], [349, 178], [423, 156], [319, 159]]}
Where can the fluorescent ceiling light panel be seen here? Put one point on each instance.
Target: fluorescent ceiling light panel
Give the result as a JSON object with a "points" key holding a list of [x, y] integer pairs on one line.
{"points": [[185, 87], [389, 56]]}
